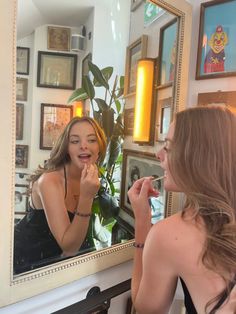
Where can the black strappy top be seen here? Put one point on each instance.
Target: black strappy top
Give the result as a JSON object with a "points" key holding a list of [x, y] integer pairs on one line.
{"points": [[34, 244], [190, 308]]}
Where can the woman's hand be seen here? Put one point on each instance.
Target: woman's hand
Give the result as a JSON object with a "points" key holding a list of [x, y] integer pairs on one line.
{"points": [[139, 194], [89, 184]]}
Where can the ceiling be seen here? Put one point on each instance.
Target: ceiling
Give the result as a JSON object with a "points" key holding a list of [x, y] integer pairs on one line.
{"points": [[33, 13]]}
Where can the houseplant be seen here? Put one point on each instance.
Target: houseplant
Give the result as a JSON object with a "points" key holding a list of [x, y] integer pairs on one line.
{"points": [[108, 111]]}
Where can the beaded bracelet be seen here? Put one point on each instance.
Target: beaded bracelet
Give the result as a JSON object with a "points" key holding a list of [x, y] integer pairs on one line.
{"points": [[138, 245], [82, 214]]}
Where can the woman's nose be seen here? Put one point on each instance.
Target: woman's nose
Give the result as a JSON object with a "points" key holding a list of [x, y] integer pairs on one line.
{"points": [[83, 145]]}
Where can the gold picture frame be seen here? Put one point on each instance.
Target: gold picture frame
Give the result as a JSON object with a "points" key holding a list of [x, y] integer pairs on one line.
{"points": [[19, 121], [59, 38]]}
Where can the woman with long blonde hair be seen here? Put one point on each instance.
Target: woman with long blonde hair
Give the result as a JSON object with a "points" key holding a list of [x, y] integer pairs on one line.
{"points": [[62, 194], [197, 244]]}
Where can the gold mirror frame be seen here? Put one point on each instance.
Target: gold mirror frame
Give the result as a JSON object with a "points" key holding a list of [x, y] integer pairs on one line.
{"points": [[20, 287]]}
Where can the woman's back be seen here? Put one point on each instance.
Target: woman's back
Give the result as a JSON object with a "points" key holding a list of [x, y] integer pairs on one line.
{"points": [[183, 242]]}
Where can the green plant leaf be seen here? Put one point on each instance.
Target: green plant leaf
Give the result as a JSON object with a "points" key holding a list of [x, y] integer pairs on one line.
{"points": [[97, 73], [98, 117], [122, 81], [107, 73], [102, 105], [108, 121], [78, 94], [114, 151], [118, 105], [88, 86], [108, 205]]}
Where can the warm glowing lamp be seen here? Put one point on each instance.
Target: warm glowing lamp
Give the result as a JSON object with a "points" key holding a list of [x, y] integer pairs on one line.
{"points": [[78, 109], [144, 100]]}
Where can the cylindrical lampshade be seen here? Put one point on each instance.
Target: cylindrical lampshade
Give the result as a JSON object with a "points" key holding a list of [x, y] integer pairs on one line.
{"points": [[143, 101], [77, 42]]}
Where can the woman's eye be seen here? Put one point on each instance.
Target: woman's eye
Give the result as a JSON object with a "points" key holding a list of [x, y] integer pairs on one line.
{"points": [[92, 140], [74, 142]]}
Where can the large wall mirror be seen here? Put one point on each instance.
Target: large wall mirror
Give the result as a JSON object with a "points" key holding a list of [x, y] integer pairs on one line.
{"points": [[16, 287]]}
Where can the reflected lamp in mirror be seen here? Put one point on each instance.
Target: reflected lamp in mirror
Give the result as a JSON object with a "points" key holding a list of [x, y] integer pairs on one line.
{"points": [[78, 109], [143, 132]]}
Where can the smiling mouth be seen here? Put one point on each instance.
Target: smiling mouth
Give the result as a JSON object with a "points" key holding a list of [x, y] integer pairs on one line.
{"points": [[84, 157]]}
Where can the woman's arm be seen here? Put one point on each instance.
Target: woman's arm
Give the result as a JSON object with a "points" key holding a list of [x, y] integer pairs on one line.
{"points": [[69, 235], [153, 280]]}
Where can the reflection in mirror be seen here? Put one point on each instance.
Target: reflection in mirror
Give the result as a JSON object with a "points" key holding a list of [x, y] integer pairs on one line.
{"points": [[47, 229]]}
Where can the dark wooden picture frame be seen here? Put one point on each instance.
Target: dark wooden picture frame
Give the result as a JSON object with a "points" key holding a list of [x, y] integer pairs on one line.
{"points": [[137, 50], [128, 121], [168, 48], [216, 44], [21, 89], [19, 121], [138, 164], [54, 119], [59, 38], [22, 60], [164, 118], [56, 70], [85, 68], [21, 160]]}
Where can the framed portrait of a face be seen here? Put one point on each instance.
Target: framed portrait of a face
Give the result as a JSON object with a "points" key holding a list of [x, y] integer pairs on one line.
{"points": [[135, 166], [59, 38], [216, 44], [21, 156]]}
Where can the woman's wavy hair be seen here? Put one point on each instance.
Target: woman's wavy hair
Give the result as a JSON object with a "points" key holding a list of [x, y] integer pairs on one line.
{"points": [[202, 161], [59, 155]]}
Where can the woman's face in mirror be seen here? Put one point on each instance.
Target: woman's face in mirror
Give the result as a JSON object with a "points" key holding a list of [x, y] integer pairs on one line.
{"points": [[83, 145]]}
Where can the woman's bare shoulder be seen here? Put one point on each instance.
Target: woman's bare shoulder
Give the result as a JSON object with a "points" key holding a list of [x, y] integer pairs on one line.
{"points": [[53, 177]]}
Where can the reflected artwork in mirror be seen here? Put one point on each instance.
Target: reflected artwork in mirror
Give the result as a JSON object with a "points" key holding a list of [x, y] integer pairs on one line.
{"points": [[54, 271]]}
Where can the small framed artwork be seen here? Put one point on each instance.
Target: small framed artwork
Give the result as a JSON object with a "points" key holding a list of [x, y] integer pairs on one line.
{"points": [[22, 60], [19, 121], [167, 53], [59, 38], [56, 70], [152, 12], [21, 89], [22, 156], [22, 178], [134, 52], [135, 166], [128, 121], [219, 98], [21, 198], [135, 4], [164, 117], [85, 68], [54, 118], [216, 43]]}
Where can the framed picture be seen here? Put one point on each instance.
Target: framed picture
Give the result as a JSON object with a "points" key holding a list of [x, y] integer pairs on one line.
{"points": [[85, 68], [151, 13], [22, 156], [21, 198], [54, 118], [22, 178], [22, 60], [167, 53], [164, 117], [135, 4], [216, 43], [134, 52], [59, 38], [21, 88], [219, 98], [137, 165], [19, 121], [56, 70], [128, 121]]}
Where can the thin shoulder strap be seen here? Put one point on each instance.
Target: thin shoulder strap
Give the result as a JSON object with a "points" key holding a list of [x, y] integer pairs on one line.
{"points": [[224, 296], [65, 177]]}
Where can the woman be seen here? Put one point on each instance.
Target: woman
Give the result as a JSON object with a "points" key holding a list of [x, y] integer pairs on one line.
{"points": [[197, 244], [61, 197]]}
